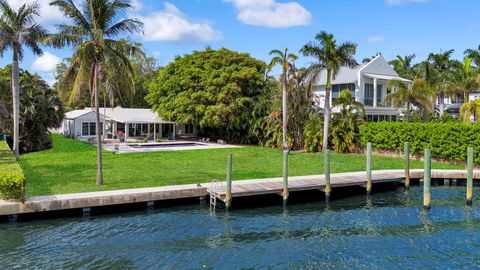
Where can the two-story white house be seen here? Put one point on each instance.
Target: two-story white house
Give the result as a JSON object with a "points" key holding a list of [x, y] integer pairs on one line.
{"points": [[368, 84]]}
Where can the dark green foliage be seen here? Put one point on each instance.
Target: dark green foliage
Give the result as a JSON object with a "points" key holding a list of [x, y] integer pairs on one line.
{"points": [[11, 175], [40, 109], [214, 89], [313, 133], [448, 140]]}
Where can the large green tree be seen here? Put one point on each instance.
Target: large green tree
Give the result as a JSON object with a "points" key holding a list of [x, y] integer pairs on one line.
{"points": [[99, 61], [40, 109], [330, 56], [18, 30], [214, 89]]}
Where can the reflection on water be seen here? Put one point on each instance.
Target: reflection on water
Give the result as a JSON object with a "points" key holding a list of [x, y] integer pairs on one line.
{"points": [[384, 231]]}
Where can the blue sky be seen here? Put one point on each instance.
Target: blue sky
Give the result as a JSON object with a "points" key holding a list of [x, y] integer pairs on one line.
{"points": [[392, 27]]}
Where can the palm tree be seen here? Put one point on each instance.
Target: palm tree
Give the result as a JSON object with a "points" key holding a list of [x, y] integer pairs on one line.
{"points": [[403, 66], [474, 55], [330, 56], [470, 111], [442, 63], [99, 60], [465, 80], [418, 94], [286, 60], [18, 29], [346, 121]]}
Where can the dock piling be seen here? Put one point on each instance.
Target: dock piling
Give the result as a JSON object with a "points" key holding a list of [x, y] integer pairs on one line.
{"points": [[427, 178], [369, 168], [228, 197], [406, 151], [469, 175], [328, 187], [285, 176]]}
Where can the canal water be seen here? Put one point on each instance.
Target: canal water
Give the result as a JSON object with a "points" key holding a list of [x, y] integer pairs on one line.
{"points": [[386, 231]]}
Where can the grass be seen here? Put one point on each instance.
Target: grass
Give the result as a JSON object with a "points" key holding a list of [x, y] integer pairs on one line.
{"points": [[70, 166]]}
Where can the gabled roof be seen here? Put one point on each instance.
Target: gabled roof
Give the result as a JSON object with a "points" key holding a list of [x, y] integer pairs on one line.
{"points": [[378, 68], [76, 113]]}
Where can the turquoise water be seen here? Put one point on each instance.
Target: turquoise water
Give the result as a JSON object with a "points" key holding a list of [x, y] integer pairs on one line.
{"points": [[387, 231]]}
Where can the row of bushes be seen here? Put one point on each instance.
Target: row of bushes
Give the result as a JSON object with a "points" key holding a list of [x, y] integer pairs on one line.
{"points": [[447, 141], [11, 175]]}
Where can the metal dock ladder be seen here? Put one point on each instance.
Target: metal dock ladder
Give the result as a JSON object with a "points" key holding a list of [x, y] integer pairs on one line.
{"points": [[215, 188]]}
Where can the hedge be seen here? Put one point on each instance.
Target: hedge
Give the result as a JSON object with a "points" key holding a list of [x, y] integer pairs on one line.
{"points": [[11, 174], [447, 141]]}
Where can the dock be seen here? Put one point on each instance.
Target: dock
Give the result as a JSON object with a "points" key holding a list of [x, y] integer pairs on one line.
{"points": [[243, 188], [240, 188]]}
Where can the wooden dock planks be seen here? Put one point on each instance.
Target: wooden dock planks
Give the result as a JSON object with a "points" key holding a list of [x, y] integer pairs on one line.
{"points": [[256, 187]]}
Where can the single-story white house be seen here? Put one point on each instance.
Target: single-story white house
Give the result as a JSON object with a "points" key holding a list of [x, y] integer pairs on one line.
{"points": [[368, 84], [131, 122]]}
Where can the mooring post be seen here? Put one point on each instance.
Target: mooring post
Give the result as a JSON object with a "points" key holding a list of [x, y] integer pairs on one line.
{"points": [[228, 197], [406, 150], [369, 168], [427, 178], [285, 176], [469, 175], [328, 188]]}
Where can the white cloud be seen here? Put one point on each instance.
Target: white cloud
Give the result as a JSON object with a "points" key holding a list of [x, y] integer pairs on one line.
{"points": [[376, 39], [270, 13], [49, 15], [46, 63], [172, 25], [400, 2]]}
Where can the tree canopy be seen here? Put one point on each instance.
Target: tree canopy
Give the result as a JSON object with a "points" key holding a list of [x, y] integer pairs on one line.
{"points": [[214, 89], [40, 109]]}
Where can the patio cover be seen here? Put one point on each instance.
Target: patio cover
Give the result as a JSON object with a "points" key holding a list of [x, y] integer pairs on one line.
{"points": [[386, 77]]}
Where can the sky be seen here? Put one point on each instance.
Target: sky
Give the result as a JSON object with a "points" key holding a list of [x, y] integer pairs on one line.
{"points": [[389, 27]]}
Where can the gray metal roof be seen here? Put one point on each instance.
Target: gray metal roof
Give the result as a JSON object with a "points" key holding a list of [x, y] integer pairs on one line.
{"points": [[344, 75], [123, 115]]}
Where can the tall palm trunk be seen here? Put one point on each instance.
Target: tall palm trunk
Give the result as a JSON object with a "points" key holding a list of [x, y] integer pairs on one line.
{"points": [[284, 110], [326, 118], [16, 103], [98, 128], [407, 116]]}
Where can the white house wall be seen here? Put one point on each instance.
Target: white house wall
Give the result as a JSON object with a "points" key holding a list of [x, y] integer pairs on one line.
{"points": [[88, 117]]}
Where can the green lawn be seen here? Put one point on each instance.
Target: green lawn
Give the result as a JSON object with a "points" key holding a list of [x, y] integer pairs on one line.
{"points": [[70, 166]]}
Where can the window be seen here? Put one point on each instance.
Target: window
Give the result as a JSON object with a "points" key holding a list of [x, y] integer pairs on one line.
{"points": [[89, 128], [368, 95], [85, 129], [189, 129], [379, 94], [337, 88]]}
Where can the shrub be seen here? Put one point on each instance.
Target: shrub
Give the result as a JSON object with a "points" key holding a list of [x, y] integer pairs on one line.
{"points": [[448, 140], [313, 133], [11, 175]]}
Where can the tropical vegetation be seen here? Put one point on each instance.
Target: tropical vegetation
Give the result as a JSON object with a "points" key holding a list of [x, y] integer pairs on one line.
{"points": [[99, 62], [329, 56], [214, 89], [40, 110], [18, 30]]}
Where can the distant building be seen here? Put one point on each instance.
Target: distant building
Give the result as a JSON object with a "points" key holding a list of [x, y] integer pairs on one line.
{"points": [[132, 123], [368, 84]]}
